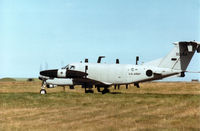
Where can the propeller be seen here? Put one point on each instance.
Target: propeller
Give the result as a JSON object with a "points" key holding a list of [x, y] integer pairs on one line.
{"points": [[40, 68], [62, 63], [46, 66]]}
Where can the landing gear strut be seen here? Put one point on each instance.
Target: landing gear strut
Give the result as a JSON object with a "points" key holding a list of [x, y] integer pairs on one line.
{"points": [[98, 89], [116, 87], [126, 86], [137, 85]]}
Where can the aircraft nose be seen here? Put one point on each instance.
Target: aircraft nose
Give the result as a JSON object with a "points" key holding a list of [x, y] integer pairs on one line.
{"points": [[49, 73]]}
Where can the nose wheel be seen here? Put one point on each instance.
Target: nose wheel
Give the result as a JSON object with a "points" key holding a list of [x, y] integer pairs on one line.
{"points": [[43, 92]]}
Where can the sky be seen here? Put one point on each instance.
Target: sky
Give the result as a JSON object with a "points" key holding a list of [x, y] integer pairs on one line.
{"points": [[49, 34]]}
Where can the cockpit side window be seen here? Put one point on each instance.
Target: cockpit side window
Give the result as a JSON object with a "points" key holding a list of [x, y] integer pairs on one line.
{"points": [[72, 67]]}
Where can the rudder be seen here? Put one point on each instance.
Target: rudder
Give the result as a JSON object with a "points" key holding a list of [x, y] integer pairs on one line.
{"points": [[181, 55]]}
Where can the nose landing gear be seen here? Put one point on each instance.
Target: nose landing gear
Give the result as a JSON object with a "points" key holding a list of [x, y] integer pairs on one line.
{"points": [[43, 91]]}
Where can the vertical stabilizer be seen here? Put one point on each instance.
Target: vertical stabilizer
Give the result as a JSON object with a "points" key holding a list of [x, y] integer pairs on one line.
{"points": [[180, 56]]}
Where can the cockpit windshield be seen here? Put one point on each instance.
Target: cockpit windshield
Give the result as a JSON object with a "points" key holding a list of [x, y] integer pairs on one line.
{"points": [[70, 67], [66, 67]]}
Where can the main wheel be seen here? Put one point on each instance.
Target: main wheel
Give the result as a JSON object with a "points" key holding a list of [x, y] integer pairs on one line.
{"points": [[105, 91], [89, 91], [43, 91]]}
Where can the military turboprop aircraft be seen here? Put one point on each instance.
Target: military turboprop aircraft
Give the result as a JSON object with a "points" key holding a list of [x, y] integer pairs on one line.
{"points": [[103, 75]]}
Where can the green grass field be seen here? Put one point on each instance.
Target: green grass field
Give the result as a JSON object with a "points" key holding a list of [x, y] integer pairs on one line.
{"points": [[155, 106]]}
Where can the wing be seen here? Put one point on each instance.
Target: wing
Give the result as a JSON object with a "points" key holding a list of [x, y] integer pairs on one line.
{"points": [[80, 78]]}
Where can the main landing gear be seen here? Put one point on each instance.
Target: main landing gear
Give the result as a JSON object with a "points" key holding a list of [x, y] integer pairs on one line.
{"points": [[89, 91], [137, 85], [104, 91], [88, 88]]}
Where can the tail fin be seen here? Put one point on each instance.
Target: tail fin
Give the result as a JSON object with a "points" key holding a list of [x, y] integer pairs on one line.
{"points": [[180, 57]]}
